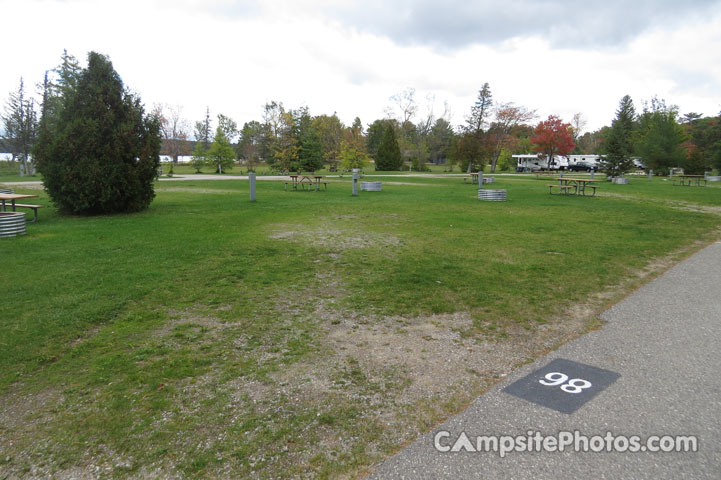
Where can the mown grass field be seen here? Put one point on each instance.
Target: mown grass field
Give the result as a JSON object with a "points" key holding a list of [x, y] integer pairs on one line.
{"points": [[306, 334]]}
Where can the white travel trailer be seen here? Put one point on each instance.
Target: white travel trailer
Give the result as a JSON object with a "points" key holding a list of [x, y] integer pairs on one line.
{"points": [[588, 159], [534, 162]]}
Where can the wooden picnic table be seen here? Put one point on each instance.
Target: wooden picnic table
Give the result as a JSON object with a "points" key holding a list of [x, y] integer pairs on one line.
{"points": [[574, 186], [5, 197], [689, 180], [310, 180]]}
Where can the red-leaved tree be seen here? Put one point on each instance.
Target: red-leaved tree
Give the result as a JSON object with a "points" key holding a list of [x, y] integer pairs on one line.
{"points": [[553, 137]]}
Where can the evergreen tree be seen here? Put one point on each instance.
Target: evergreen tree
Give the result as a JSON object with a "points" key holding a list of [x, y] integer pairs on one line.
{"points": [[389, 153], [619, 146], [310, 155], [21, 128], [221, 153], [202, 143], [480, 111], [373, 136], [102, 153], [57, 84]]}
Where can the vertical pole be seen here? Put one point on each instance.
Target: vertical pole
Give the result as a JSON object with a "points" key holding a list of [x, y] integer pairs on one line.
{"points": [[650, 174], [251, 177], [593, 174], [480, 179], [355, 182], [670, 174]]}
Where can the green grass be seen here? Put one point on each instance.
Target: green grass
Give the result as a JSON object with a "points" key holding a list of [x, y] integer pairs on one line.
{"points": [[162, 338]]}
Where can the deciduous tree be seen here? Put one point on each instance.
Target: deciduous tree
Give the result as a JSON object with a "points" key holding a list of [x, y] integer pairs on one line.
{"points": [[251, 137], [507, 117], [221, 153], [661, 137], [330, 130], [174, 130], [552, 137], [352, 150]]}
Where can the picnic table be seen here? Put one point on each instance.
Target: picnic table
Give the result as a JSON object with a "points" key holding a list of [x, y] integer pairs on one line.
{"points": [[574, 186], [474, 179], [11, 197], [309, 180], [689, 180]]}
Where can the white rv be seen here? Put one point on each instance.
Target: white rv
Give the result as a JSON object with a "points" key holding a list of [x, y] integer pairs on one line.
{"points": [[534, 162], [584, 161]]}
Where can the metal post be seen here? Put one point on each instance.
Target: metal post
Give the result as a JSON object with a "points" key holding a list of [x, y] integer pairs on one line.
{"points": [[650, 174], [355, 181], [593, 174], [251, 177], [670, 174], [480, 179]]}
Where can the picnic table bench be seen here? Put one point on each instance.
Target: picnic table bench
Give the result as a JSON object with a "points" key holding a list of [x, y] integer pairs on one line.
{"points": [[689, 180], [309, 180], [578, 185], [562, 189], [11, 197]]}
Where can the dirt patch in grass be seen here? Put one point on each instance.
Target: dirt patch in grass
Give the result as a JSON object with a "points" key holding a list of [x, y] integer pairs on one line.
{"points": [[333, 238], [676, 204]]}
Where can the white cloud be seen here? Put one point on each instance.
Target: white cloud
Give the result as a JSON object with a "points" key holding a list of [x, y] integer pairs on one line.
{"points": [[235, 56]]}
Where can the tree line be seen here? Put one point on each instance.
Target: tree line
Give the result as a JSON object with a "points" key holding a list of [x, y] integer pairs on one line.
{"points": [[294, 140]]}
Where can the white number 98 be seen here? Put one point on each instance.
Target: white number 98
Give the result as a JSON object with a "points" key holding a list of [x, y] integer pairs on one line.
{"points": [[575, 385]]}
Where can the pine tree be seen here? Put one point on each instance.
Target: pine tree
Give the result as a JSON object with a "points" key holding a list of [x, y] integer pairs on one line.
{"points": [[310, 155], [618, 145], [21, 127], [202, 143], [389, 153], [101, 154]]}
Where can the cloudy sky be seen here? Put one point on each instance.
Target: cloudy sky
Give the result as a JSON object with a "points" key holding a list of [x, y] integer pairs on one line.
{"points": [[349, 57]]}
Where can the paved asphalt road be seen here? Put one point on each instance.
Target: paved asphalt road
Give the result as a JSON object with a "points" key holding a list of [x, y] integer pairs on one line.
{"points": [[664, 342]]}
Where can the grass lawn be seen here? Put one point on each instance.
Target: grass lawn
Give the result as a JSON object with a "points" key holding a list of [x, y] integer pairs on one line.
{"points": [[307, 334]]}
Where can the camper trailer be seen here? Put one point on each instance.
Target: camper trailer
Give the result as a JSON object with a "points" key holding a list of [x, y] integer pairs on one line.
{"points": [[585, 162], [535, 162]]}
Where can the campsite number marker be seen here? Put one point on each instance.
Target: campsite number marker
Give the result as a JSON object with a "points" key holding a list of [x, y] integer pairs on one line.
{"points": [[562, 385]]}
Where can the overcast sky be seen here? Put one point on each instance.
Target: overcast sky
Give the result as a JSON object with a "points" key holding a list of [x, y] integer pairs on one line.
{"points": [[349, 57]]}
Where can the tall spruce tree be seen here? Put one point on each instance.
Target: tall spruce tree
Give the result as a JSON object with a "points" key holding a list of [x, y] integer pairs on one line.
{"points": [[388, 156], [101, 154], [21, 128], [619, 145], [202, 143]]}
